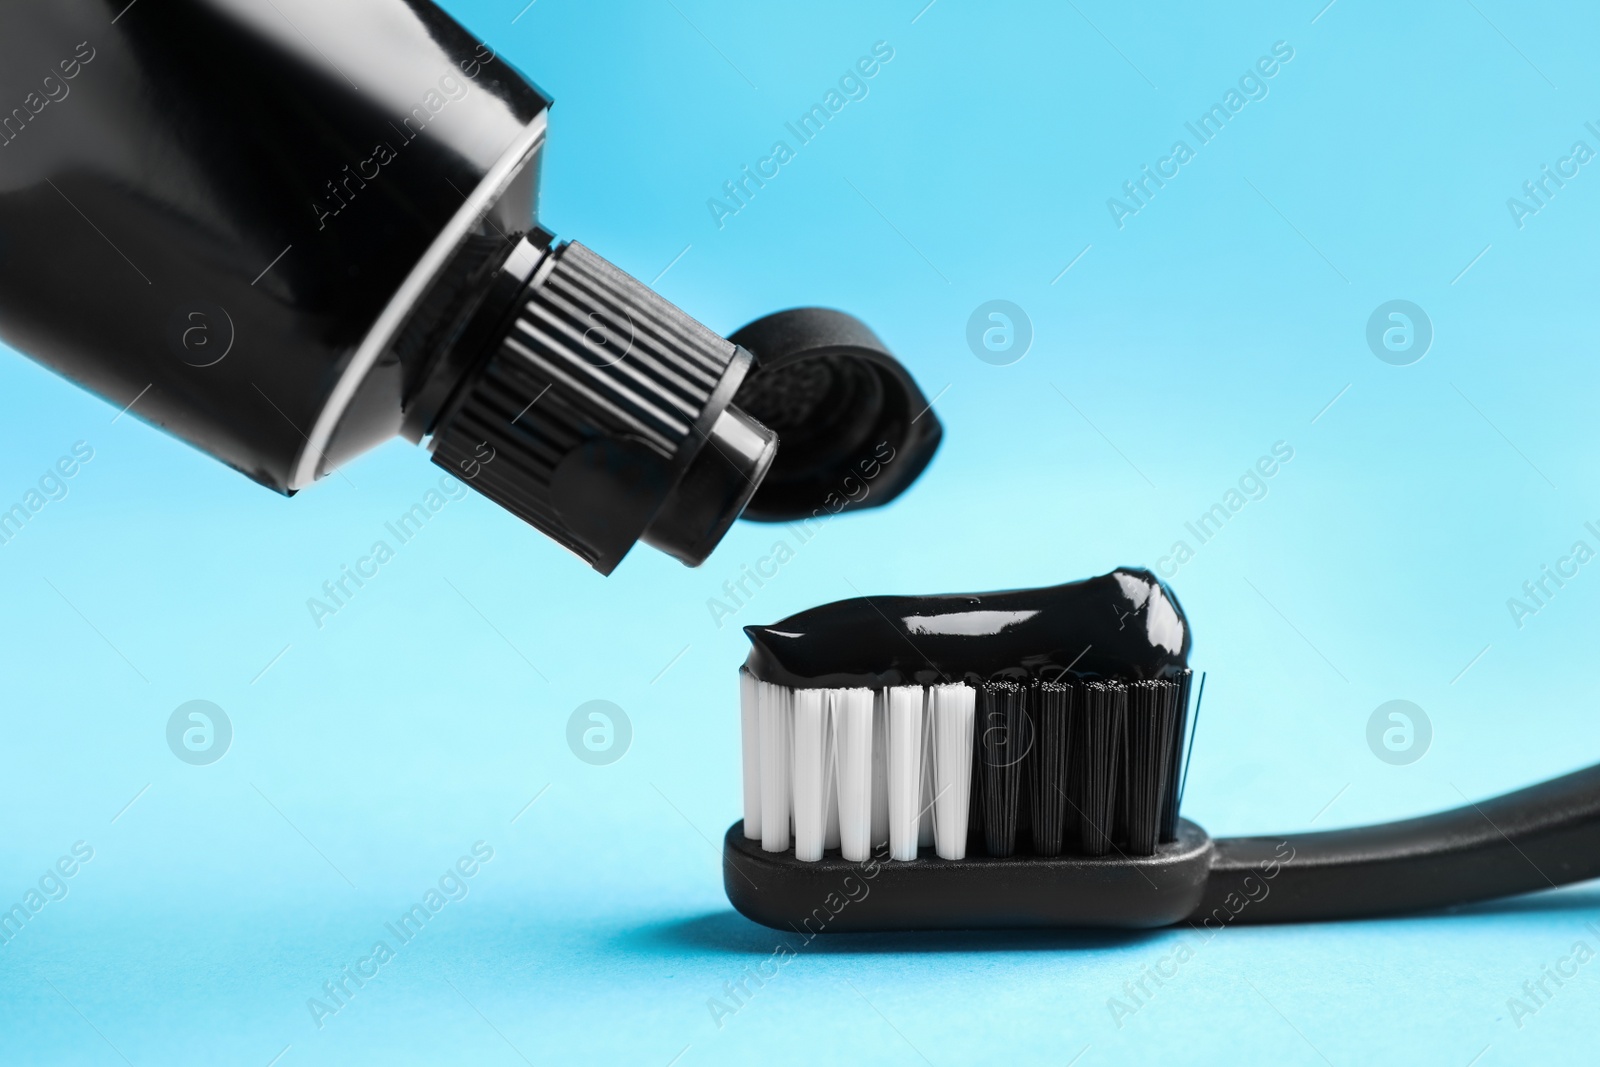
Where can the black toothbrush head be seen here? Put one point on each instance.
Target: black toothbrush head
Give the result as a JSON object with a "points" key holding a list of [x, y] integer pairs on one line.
{"points": [[1015, 760], [1006, 759], [1077, 766], [1007, 802]]}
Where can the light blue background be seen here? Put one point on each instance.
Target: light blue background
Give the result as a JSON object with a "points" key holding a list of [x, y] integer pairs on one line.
{"points": [[1224, 317]]}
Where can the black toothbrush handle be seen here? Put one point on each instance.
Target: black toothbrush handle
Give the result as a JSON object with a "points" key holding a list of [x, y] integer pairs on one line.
{"points": [[1545, 836]]}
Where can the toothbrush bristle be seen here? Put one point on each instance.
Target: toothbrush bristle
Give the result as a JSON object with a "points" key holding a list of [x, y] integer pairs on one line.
{"points": [[1172, 795], [813, 778], [775, 716], [1003, 767], [854, 731], [1100, 748], [1005, 736], [1054, 709], [1152, 710], [908, 795], [750, 743], [951, 713]]}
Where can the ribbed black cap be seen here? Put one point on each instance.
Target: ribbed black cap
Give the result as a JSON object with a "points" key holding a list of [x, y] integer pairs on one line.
{"points": [[602, 416]]}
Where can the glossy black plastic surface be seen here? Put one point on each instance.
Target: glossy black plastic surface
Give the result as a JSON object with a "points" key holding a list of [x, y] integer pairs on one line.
{"points": [[207, 204], [834, 895], [1541, 837], [1126, 624], [856, 429]]}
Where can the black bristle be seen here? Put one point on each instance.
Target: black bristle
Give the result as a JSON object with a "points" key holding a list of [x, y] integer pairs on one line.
{"points": [[1180, 727], [1048, 763], [1152, 707], [1004, 734], [1098, 759], [1060, 767]]}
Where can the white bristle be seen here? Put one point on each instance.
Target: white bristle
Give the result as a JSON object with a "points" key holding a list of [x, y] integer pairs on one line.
{"points": [[925, 823], [953, 712], [812, 782], [905, 759], [830, 824], [852, 732], [855, 769], [750, 740], [880, 768], [776, 713]]}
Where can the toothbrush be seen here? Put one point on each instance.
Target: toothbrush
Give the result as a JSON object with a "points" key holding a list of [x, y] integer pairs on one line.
{"points": [[1017, 759]]}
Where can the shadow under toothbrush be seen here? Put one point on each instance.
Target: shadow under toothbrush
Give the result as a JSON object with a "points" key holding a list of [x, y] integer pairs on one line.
{"points": [[731, 933]]}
